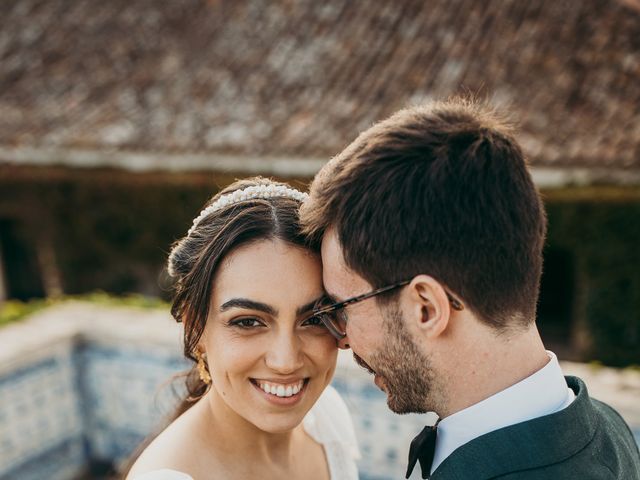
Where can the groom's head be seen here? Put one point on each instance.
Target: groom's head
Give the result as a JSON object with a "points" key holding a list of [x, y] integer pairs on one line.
{"points": [[440, 197]]}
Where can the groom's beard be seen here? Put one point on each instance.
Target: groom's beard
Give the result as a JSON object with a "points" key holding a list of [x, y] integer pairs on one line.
{"points": [[409, 379]]}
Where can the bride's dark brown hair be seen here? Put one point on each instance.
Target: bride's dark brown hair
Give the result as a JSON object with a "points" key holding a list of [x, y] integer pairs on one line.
{"points": [[195, 259]]}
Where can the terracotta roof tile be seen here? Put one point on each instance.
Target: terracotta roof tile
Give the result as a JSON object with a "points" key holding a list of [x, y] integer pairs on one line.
{"points": [[302, 78]]}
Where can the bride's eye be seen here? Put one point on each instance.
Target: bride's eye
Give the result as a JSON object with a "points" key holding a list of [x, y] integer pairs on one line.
{"points": [[313, 321], [246, 322]]}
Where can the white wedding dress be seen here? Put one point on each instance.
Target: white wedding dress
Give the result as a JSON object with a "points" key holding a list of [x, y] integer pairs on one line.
{"points": [[328, 423]]}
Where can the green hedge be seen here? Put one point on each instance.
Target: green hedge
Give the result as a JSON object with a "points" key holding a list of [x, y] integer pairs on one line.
{"points": [[107, 235], [604, 240], [115, 236]]}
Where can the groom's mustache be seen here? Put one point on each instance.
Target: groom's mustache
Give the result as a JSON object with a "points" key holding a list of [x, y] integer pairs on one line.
{"points": [[363, 364]]}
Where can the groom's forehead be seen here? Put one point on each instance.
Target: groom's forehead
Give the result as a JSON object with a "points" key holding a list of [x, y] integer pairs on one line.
{"points": [[332, 256], [339, 280]]}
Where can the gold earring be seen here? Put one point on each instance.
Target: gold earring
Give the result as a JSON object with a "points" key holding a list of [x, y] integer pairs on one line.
{"points": [[202, 367]]}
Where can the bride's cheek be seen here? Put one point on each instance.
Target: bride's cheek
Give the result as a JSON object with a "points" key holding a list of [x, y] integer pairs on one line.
{"points": [[320, 343], [325, 354]]}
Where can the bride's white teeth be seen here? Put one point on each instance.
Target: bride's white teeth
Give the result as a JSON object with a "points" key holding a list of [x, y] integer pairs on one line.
{"points": [[281, 390]]}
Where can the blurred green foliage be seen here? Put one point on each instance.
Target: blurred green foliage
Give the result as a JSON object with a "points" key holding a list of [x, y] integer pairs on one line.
{"points": [[14, 310]]}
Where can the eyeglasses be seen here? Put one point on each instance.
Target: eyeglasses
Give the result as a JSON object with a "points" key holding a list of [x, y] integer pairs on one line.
{"points": [[335, 318]]}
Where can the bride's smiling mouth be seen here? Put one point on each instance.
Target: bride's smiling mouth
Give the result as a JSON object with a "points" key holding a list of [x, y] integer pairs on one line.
{"points": [[280, 392]]}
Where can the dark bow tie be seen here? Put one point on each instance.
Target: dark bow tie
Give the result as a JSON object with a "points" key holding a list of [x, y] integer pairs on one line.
{"points": [[422, 449]]}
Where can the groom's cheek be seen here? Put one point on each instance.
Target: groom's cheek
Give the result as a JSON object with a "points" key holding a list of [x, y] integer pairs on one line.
{"points": [[362, 341]]}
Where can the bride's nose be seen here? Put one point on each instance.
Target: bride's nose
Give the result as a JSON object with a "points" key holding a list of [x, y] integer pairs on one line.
{"points": [[284, 354]]}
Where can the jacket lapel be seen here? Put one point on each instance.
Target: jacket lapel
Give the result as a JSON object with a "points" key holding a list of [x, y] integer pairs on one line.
{"points": [[535, 443]]}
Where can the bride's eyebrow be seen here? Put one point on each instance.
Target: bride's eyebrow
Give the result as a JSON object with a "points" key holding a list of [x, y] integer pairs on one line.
{"points": [[309, 306], [263, 307], [249, 305]]}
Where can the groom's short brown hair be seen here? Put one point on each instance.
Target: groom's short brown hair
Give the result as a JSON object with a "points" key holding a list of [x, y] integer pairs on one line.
{"points": [[442, 190]]}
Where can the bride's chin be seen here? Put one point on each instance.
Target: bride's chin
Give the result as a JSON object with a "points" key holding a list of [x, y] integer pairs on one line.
{"points": [[279, 423], [279, 419]]}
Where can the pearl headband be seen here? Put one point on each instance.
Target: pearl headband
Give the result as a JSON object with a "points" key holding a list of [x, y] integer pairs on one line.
{"points": [[249, 193]]}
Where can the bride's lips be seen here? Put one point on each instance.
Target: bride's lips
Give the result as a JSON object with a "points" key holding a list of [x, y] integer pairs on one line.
{"points": [[275, 399]]}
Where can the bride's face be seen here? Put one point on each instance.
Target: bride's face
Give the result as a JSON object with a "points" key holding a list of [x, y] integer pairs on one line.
{"points": [[259, 336]]}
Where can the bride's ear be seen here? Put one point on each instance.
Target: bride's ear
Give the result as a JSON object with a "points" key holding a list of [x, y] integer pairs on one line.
{"points": [[426, 306]]}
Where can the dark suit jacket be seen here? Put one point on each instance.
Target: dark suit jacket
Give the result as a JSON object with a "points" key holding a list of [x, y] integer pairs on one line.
{"points": [[586, 440]]}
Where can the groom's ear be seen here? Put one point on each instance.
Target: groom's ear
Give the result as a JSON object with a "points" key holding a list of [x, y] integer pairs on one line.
{"points": [[428, 306]]}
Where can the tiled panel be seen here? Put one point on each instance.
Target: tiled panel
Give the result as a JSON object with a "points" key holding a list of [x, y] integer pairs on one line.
{"points": [[111, 387], [125, 394], [63, 461], [39, 410], [384, 437]]}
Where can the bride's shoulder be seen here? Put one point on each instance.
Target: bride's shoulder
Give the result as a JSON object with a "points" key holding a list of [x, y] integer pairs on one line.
{"points": [[329, 421], [331, 405], [163, 474], [161, 460]]}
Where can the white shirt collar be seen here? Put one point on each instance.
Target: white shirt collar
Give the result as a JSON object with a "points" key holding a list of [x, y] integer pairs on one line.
{"points": [[540, 394]]}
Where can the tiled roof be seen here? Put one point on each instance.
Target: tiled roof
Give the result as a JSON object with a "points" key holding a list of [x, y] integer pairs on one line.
{"points": [[300, 78]]}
